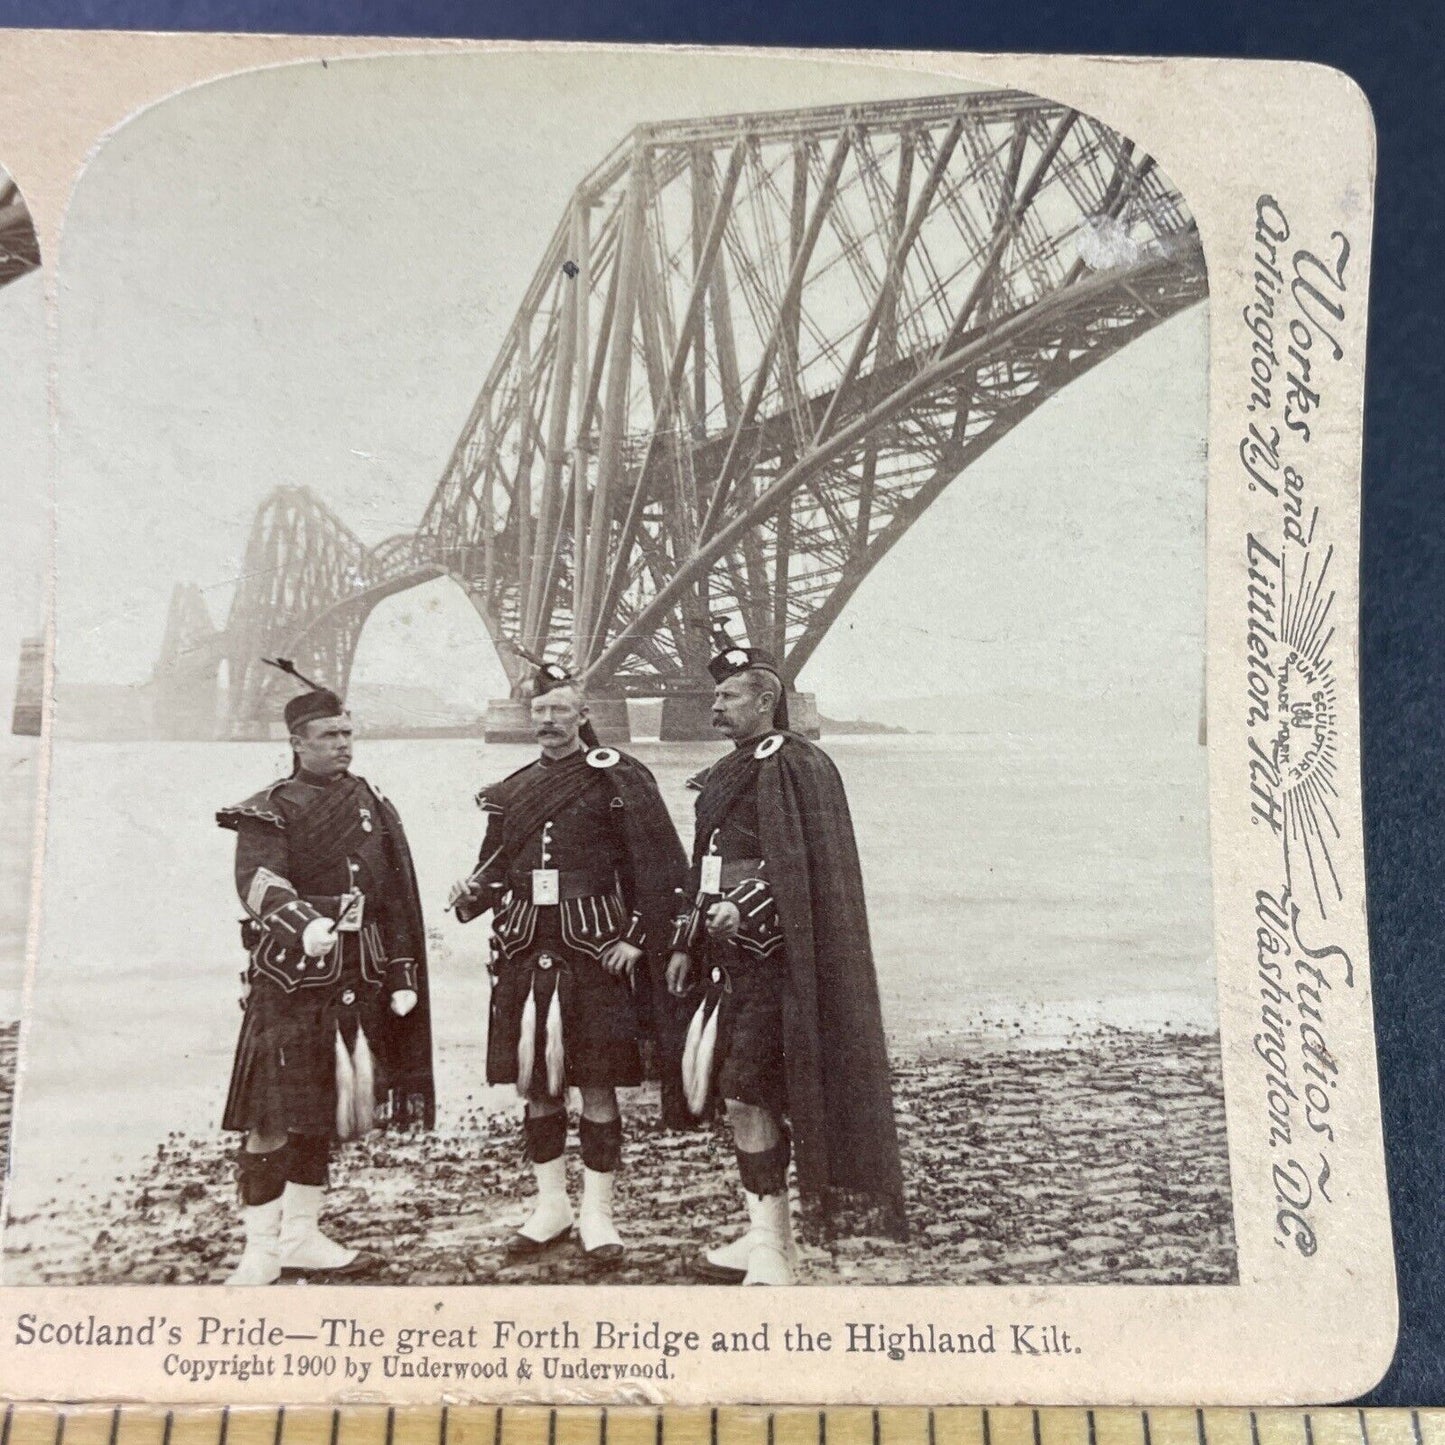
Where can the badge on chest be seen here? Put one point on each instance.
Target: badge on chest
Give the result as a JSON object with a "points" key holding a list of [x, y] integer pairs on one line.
{"points": [[710, 870], [353, 906]]}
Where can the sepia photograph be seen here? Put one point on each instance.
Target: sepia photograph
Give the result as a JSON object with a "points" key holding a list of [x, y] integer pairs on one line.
{"points": [[629, 694], [24, 480]]}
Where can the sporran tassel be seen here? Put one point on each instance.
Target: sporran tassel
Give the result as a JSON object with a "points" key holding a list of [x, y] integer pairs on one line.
{"points": [[697, 1055], [706, 1048], [527, 1042], [556, 1060], [345, 1091], [365, 1105], [689, 1048]]}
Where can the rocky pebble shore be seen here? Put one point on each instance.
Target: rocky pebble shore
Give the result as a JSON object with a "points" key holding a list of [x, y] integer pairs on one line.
{"points": [[1100, 1161]]}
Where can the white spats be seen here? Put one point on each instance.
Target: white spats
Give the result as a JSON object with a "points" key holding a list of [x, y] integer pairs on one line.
{"points": [[551, 1218], [770, 1255], [600, 1239], [731, 1261], [303, 1246], [260, 1261]]}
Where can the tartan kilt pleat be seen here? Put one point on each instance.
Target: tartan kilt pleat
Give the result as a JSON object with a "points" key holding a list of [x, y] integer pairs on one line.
{"points": [[749, 1063], [600, 1030], [283, 1076]]}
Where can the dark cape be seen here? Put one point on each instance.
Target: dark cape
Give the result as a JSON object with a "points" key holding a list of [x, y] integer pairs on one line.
{"points": [[840, 1099], [658, 859], [404, 1048]]}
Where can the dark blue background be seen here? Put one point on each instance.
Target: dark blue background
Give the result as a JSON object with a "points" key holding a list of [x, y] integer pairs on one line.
{"points": [[1395, 52]]}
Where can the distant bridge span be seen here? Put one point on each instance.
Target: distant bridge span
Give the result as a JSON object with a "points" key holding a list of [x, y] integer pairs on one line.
{"points": [[756, 349]]}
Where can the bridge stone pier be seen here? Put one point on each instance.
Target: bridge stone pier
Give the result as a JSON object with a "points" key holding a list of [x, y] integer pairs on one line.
{"points": [[29, 688]]}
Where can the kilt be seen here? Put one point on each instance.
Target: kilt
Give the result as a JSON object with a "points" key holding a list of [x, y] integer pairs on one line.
{"points": [[283, 1079], [600, 1027], [749, 1065]]}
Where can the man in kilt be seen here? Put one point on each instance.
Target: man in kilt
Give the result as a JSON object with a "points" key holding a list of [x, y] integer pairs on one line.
{"points": [[337, 1034], [578, 869], [785, 1025]]}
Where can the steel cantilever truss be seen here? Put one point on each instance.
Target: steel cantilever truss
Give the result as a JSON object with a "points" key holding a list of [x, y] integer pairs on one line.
{"points": [[760, 346], [756, 349]]}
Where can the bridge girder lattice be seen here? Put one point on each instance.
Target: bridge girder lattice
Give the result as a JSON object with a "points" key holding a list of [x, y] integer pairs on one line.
{"points": [[757, 348]]}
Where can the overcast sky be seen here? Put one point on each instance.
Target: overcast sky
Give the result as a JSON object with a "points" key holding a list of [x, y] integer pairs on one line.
{"points": [[301, 276]]}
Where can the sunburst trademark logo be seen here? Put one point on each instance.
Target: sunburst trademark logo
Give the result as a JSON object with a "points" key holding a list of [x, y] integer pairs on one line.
{"points": [[1308, 719], [1306, 745]]}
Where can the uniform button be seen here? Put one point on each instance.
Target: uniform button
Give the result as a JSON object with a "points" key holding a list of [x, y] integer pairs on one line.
{"points": [[348, 997], [544, 962], [717, 975]]}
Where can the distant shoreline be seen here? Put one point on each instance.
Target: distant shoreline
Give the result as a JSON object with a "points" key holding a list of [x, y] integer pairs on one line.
{"points": [[118, 712]]}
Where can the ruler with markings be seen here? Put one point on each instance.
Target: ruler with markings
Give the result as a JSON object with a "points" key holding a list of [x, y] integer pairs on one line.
{"points": [[27, 1424]]}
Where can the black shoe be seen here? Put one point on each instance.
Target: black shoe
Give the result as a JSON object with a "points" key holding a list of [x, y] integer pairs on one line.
{"points": [[365, 1263], [605, 1256], [523, 1246], [704, 1268]]}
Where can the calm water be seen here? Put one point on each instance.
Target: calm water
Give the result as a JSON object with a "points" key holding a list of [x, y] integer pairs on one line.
{"points": [[1011, 883]]}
